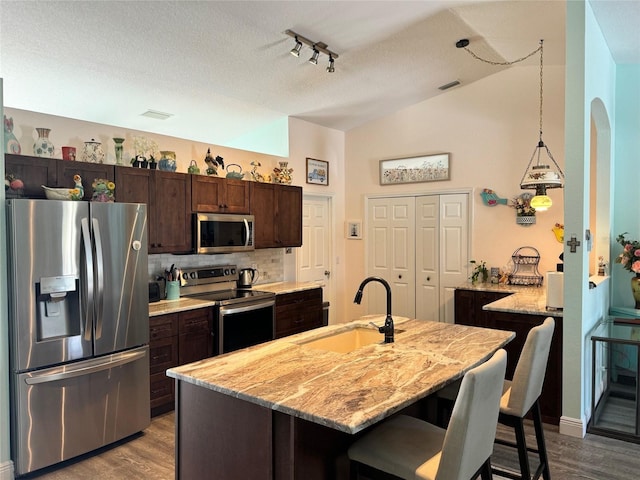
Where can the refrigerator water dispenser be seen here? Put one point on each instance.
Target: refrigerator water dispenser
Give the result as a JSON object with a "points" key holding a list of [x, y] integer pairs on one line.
{"points": [[58, 313]]}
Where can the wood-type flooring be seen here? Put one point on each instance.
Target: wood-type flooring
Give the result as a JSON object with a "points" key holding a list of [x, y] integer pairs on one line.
{"points": [[150, 456]]}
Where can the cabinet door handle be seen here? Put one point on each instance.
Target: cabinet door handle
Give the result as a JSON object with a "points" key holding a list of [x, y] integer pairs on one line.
{"points": [[399, 276]]}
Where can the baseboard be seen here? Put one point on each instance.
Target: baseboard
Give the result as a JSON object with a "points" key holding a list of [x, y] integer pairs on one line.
{"points": [[6, 470], [573, 427]]}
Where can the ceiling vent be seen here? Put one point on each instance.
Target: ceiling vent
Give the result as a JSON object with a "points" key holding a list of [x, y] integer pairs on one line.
{"points": [[449, 85], [157, 115]]}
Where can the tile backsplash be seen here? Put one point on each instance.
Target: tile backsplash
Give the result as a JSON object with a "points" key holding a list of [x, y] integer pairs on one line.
{"points": [[269, 261]]}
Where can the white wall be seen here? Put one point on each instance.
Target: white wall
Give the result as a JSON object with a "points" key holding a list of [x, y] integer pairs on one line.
{"points": [[313, 141], [490, 127], [590, 75], [6, 466]]}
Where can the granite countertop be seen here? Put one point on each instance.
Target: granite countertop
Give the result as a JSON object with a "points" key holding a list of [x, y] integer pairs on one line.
{"points": [[164, 307], [347, 391], [524, 299]]}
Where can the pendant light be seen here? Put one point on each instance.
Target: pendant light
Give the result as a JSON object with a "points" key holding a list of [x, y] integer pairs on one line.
{"points": [[541, 175]]}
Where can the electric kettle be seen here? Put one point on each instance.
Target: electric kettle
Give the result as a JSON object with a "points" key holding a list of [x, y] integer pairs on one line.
{"points": [[247, 277]]}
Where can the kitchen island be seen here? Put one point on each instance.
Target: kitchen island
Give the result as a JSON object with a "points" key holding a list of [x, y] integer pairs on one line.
{"points": [[285, 410]]}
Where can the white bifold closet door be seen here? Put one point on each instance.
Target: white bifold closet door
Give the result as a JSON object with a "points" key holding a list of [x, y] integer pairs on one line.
{"points": [[419, 244]]}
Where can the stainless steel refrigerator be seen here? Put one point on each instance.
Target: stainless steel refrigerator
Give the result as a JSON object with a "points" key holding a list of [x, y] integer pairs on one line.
{"points": [[78, 325]]}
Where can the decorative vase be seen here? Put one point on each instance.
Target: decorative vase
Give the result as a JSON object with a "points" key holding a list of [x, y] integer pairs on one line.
{"points": [[635, 289], [92, 152], [43, 146], [167, 161], [282, 173], [119, 150]]}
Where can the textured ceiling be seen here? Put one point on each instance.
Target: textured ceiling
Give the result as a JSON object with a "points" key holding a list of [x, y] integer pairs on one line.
{"points": [[223, 69]]}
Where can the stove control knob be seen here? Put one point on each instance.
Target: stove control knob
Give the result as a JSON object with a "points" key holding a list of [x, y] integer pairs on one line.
{"points": [[226, 271], [193, 275], [233, 271]]}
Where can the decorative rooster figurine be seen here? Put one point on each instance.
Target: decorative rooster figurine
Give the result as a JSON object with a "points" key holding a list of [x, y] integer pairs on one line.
{"points": [[213, 163], [75, 193]]}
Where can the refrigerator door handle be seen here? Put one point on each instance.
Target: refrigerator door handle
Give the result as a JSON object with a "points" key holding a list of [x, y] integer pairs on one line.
{"points": [[97, 240], [120, 359], [88, 280]]}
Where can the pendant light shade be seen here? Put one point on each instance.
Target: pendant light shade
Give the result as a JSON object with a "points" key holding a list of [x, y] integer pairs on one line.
{"points": [[545, 172]]}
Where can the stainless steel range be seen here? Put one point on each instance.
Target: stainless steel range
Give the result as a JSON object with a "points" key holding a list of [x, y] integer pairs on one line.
{"points": [[243, 317]]}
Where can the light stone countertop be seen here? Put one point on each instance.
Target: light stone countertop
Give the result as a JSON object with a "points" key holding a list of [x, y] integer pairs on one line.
{"points": [[525, 300], [164, 307], [347, 391]]}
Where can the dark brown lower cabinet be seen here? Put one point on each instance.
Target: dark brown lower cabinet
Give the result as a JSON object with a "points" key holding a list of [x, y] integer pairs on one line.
{"points": [[298, 311], [176, 339], [468, 311]]}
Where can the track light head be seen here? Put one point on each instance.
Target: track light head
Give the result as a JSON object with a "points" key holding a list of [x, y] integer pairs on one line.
{"points": [[314, 57], [331, 68], [295, 51]]}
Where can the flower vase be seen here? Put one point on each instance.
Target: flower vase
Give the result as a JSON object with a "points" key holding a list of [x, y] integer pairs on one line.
{"points": [[635, 289], [119, 150], [43, 146]]}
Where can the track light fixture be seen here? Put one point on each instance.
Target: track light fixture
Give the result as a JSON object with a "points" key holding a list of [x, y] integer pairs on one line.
{"points": [[295, 51], [331, 68], [317, 47], [314, 57]]}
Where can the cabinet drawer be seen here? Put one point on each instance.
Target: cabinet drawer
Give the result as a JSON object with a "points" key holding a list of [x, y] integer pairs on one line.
{"points": [[195, 321], [163, 326], [313, 295], [161, 389], [163, 354]]}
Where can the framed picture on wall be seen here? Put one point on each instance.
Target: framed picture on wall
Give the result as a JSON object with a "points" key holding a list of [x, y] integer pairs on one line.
{"points": [[426, 168], [354, 229], [317, 171]]}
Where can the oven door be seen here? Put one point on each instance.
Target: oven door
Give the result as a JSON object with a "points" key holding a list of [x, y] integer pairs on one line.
{"points": [[246, 324]]}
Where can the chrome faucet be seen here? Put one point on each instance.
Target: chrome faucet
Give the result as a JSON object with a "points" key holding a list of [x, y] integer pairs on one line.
{"points": [[387, 329]]}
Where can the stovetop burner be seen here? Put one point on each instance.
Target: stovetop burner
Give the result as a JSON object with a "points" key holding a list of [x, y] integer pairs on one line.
{"points": [[218, 284], [226, 297]]}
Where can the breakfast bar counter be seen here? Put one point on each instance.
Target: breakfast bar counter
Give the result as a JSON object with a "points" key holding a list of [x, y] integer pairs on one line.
{"points": [[289, 408]]}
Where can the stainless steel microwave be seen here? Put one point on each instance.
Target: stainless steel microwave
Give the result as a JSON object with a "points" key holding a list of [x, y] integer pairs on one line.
{"points": [[223, 233]]}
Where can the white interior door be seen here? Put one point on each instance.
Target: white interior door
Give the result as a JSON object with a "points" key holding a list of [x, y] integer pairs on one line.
{"points": [[454, 249], [313, 259], [420, 246], [391, 254], [427, 258]]}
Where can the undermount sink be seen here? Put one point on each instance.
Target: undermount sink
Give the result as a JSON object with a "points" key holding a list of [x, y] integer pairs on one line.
{"points": [[346, 341]]}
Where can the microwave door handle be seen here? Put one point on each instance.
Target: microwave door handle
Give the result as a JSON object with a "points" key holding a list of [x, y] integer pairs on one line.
{"points": [[248, 234], [97, 240], [88, 280]]}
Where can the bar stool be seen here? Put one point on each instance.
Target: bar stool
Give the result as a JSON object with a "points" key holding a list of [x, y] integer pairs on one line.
{"points": [[521, 396], [407, 447]]}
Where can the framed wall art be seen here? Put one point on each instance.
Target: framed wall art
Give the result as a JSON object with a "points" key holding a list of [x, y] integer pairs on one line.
{"points": [[354, 229], [317, 171], [426, 168]]}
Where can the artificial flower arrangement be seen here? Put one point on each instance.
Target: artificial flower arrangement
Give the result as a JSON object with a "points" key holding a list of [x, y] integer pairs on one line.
{"points": [[479, 271], [630, 256], [522, 204]]}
